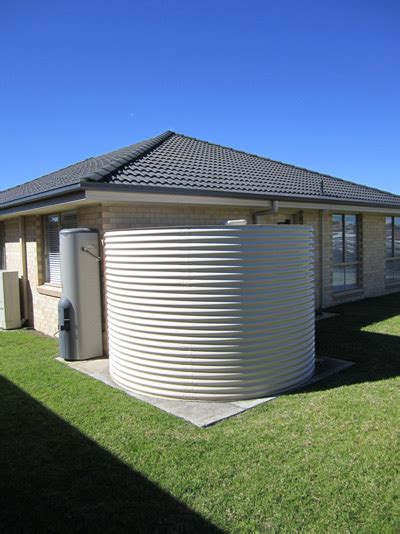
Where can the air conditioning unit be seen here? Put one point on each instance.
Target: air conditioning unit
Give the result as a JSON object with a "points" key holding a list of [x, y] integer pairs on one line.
{"points": [[10, 311]]}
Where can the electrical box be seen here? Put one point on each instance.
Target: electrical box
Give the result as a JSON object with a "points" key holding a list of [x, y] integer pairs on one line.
{"points": [[79, 309], [10, 310]]}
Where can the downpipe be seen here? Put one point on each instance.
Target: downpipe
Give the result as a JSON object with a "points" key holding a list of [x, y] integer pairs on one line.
{"points": [[273, 209]]}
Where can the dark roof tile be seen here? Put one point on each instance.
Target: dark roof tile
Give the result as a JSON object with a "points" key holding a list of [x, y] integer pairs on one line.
{"points": [[95, 168], [180, 163], [191, 164]]}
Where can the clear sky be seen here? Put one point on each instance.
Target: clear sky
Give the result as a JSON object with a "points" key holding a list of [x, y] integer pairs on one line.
{"points": [[313, 83]]}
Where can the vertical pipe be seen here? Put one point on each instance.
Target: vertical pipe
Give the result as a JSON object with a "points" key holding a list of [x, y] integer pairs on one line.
{"points": [[22, 240], [322, 257], [273, 209]]}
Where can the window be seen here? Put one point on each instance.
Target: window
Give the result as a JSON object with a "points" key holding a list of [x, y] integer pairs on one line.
{"points": [[345, 244], [52, 226], [392, 271]]}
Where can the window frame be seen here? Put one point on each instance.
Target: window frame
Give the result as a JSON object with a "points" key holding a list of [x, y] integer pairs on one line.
{"points": [[344, 264], [393, 258], [46, 265]]}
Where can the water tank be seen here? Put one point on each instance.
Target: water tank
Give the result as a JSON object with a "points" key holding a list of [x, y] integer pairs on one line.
{"points": [[79, 310], [210, 312]]}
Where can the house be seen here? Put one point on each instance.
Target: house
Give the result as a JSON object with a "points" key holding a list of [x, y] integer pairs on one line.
{"points": [[173, 179]]}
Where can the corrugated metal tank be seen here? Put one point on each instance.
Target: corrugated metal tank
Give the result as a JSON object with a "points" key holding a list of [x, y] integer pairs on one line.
{"points": [[210, 312]]}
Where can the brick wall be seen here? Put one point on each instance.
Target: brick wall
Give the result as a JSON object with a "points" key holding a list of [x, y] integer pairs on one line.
{"points": [[43, 306], [312, 218], [118, 216], [91, 217], [373, 254], [12, 246], [123, 215]]}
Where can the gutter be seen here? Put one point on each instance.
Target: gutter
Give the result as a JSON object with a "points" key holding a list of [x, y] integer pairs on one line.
{"points": [[43, 194], [101, 186], [77, 192], [43, 201]]}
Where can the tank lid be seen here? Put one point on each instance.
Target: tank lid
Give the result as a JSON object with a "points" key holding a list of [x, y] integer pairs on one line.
{"points": [[76, 231], [236, 222]]}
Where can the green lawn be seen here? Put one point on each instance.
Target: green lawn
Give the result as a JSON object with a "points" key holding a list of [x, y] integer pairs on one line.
{"points": [[77, 455]]}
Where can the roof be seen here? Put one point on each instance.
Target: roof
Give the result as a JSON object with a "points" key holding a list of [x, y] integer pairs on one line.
{"points": [[90, 169], [173, 162]]}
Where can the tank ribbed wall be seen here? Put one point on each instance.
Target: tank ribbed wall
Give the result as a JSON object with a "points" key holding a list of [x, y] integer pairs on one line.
{"points": [[210, 312]]}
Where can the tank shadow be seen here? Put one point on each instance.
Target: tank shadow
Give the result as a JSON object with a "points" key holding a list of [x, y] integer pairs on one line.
{"points": [[376, 355]]}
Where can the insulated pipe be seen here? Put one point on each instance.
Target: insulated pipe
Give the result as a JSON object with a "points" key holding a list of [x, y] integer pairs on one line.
{"points": [[322, 257], [273, 209], [22, 239]]}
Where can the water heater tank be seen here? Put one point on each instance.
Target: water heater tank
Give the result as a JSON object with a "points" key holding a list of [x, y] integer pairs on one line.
{"points": [[211, 312], [79, 310]]}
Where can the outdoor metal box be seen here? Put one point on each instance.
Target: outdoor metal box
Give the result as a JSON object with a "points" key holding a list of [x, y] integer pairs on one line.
{"points": [[10, 311]]}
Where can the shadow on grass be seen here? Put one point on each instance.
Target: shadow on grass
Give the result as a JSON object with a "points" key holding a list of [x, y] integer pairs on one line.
{"points": [[54, 479], [376, 355]]}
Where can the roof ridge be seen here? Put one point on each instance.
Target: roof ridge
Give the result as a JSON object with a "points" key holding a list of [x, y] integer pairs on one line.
{"points": [[146, 146], [323, 175]]}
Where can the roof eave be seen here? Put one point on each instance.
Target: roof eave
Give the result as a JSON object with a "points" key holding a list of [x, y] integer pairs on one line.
{"points": [[77, 192], [38, 197], [229, 194]]}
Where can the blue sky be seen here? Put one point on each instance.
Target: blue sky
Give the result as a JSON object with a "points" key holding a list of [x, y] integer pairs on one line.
{"points": [[316, 84]]}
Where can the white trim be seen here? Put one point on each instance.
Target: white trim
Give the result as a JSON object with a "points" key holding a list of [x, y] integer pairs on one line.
{"points": [[337, 207], [102, 196], [166, 198], [47, 210]]}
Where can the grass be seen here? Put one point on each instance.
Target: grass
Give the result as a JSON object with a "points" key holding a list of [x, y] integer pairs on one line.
{"points": [[76, 455]]}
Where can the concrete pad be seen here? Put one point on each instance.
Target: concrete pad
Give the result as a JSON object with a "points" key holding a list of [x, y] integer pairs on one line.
{"points": [[325, 315], [201, 414], [327, 367]]}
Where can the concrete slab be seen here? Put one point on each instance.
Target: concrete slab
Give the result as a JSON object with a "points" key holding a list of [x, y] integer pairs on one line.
{"points": [[201, 414], [329, 366], [325, 315]]}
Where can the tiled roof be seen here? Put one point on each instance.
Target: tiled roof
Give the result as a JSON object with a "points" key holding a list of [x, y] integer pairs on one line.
{"points": [[177, 163], [182, 162], [95, 168]]}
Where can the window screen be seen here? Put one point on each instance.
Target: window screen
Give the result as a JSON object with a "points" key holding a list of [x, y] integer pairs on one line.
{"points": [[345, 243], [53, 224], [392, 270]]}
